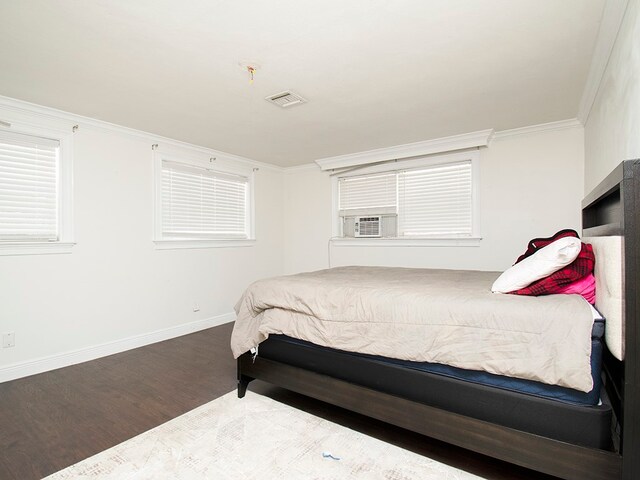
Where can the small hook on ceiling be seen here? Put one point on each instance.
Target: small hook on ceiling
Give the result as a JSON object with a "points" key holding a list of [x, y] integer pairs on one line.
{"points": [[252, 71]]}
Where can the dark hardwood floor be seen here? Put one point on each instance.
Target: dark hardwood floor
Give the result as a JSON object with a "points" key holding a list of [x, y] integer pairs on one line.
{"points": [[55, 419], [52, 420]]}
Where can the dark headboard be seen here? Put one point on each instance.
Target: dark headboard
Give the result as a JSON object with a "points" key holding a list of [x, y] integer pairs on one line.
{"points": [[613, 208]]}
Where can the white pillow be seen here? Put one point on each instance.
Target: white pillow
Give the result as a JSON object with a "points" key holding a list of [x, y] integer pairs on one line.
{"points": [[541, 264]]}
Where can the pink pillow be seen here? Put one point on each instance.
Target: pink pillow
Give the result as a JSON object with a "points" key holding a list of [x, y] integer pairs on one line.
{"points": [[586, 287]]}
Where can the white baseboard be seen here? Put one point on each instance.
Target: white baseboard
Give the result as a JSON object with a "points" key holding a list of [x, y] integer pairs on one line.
{"points": [[45, 364]]}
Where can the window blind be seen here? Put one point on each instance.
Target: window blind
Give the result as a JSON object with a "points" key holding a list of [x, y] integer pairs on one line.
{"points": [[28, 188], [200, 203], [436, 201], [368, 192]]}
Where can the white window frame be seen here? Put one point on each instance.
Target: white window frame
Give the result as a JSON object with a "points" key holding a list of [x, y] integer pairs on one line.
{"points": [[62, 131], [405, 164], [214, 162]]}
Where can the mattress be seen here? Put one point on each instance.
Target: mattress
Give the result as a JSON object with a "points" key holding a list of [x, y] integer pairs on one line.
{"points": [[543, 390], [550, 411], [538, 389], [424, 315]]}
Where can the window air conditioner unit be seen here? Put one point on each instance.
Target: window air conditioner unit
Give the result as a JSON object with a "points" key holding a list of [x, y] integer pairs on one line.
{"points": [[373, 225], [368, 227]]}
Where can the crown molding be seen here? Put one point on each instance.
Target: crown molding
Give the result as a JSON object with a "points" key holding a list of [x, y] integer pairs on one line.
{"points": [[23, 112], [439, 145], [306, 167], [20, 111], [542, 127], [612, 16]]}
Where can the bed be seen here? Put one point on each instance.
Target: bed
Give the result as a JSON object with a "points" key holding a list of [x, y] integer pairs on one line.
{"points": [[572, 437]]}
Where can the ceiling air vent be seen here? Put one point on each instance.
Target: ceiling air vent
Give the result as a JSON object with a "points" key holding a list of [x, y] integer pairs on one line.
{"points": [[285, 99]]}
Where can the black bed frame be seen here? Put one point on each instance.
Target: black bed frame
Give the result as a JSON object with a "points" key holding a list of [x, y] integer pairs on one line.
{"points": [[613, 208]]}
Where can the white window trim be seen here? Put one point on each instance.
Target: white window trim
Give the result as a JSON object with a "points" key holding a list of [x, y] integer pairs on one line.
{"points": [[436, 241], [62, 131], [198, 159]]}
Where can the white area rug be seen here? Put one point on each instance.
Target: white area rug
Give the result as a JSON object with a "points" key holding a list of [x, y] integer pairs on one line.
{"points": [[256, 438]]}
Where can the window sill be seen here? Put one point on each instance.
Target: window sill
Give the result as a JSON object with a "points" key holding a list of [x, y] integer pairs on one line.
{"points": [[406, 242], [179, 244], [35, 248]]}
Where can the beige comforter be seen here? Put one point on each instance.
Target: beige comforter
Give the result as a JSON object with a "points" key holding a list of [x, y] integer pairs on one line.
{"points": [[441, 316]]}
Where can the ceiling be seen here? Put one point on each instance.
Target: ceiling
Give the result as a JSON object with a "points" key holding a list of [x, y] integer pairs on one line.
{"points": [[376, 73]]}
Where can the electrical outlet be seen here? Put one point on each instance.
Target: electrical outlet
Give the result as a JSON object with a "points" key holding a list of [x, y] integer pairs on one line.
{"points": [[8, 340]]}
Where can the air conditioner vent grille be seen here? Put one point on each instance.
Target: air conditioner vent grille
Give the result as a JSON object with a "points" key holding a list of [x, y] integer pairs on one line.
{"points": [[285, 99], [367, 227]]}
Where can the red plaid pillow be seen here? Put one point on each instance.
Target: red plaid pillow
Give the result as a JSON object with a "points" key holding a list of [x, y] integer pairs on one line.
{"points": [[579, 268]]}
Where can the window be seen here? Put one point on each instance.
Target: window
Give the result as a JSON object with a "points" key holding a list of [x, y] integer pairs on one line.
{"points": [[436, 201], [199, 206], [377, 192], [420, 199], [34, 194]]}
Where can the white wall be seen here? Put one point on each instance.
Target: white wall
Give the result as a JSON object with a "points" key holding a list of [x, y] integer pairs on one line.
{"points": [[531, 185], [307, 214], [612, 129], [115, 284]]}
